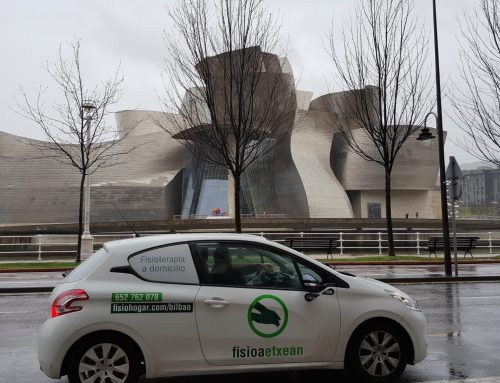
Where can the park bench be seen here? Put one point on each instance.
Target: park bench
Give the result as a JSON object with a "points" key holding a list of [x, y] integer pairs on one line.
{"points": [[313, 243], [463, 243]]}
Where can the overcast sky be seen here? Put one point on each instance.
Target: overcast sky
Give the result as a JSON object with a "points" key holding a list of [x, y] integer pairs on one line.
{"points": [[130, 33]]}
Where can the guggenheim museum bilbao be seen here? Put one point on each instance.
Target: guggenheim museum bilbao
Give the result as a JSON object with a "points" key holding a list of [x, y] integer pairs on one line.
{"points": [[309, 175]]}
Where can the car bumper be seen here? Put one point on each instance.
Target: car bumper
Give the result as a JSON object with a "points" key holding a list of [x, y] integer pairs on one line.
{"points": [[417, 328], [53, 344]]}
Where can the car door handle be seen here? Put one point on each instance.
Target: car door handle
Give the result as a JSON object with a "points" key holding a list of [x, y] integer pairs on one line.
{"points": [[216, 303]]}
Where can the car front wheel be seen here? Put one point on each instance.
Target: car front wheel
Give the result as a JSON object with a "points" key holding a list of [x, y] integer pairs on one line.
{"points": [[378, 353], [109, 359]]}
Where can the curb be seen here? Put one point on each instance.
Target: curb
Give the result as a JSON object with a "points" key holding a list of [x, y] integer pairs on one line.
{"points": [[19, 290], [54, 269], [408, 263], [330, 263], [480, 278]]}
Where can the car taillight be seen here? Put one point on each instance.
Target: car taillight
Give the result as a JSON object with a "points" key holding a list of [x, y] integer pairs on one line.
{"points": [[63, 304]]}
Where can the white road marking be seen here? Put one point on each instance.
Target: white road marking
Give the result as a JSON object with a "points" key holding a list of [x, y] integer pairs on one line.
{"points": [[14, 312], [485, 297]]}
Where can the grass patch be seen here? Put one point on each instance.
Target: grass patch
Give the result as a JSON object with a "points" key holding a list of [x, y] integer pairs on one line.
{"points": [[38, 265]]}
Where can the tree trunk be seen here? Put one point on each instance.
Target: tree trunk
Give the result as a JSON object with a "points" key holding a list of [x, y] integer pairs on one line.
{"points": [[388, 213], [80, 220], [237, 205]]}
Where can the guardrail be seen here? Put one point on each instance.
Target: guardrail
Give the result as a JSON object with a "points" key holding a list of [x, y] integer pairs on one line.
{"points": [[350, 242]]}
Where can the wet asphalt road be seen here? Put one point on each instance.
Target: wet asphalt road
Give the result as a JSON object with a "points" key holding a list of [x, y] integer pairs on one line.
{"points": [[463, 337]]}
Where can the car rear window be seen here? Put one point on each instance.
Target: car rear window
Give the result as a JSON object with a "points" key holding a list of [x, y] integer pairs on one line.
{"points": [[88, 266], [167, 264]]}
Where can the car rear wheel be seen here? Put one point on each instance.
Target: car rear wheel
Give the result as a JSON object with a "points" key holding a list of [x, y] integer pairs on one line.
{"points": [[378, 353], [109, 359]]}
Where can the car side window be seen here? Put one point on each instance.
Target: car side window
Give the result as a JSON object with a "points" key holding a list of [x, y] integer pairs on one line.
{"points": [[246, 265], [167, 264]]}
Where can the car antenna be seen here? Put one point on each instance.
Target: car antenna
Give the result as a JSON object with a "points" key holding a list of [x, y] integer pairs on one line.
{"points": [[125, 219]]}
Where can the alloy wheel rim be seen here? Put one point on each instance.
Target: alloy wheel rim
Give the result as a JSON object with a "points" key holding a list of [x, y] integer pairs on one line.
{"points": [[379, 353], [104, 363]]}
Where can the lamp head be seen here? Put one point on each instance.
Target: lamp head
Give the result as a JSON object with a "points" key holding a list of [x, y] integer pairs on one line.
{"points": [[425, 134], [88, 106]]}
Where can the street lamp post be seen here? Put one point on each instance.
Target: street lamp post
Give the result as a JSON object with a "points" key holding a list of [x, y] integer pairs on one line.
{"points": [[87, 239], [442, 171]]}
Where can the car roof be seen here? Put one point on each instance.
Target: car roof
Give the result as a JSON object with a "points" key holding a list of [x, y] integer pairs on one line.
{"points": [[133, 245]]}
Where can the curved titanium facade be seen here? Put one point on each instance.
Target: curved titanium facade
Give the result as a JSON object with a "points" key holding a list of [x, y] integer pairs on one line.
{"points": [[310, 174], [144, 186], [413, 178]]}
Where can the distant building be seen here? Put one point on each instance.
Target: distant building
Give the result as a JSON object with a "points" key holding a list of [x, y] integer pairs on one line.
{"points": [[310, 175], [481, 187]]}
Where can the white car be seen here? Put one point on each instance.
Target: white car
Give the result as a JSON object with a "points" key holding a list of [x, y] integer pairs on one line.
{"points": [[188, 304]]}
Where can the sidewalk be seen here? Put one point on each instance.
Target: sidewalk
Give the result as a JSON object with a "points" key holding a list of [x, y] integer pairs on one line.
{"points": [[421, 273], [44, 281], [423, 270], [29, 282], [422, 258]]}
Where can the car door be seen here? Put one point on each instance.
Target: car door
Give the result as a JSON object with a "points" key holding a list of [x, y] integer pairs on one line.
{"points": [[252, 308], [158, 303]]}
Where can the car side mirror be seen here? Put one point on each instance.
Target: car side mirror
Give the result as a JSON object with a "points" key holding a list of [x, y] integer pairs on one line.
{"points": [[313, 287], [310, 282]]}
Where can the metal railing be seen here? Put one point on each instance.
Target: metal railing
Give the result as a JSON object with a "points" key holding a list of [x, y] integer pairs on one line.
{"points": [[356, 242], [349, 242], [57, 245], [204, 216]]}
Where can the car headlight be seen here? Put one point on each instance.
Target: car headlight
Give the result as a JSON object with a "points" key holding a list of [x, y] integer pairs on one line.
{"points": [[410, 303]]}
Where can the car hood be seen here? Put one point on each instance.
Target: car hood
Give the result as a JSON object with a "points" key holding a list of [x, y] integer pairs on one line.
{"points": [[366, 283]]}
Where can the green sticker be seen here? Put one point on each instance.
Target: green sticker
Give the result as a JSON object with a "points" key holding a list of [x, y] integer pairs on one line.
{"points": [[136, 297], [259, 313]]}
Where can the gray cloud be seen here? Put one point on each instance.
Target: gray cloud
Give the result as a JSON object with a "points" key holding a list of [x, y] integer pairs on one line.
{"points": [[130, 32]]}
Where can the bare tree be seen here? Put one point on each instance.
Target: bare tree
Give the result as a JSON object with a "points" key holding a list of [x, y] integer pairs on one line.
{"points": [[477, 104], [236, 100], [382, 68], [76, 128]]}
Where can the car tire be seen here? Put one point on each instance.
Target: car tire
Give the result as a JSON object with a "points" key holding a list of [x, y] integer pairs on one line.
{"points": [[377, 352], [109, 356]]}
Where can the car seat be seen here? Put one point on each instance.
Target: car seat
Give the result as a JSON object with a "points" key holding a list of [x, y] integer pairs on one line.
{"points": [[221, 272]]}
